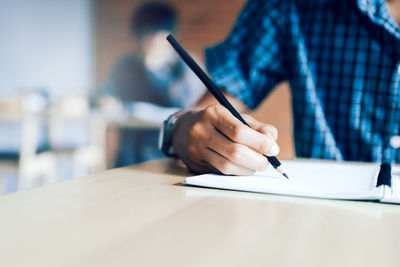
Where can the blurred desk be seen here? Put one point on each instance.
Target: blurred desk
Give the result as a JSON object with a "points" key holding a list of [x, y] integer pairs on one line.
{"points": [[142, 216], [125, 121], [106, 135], [137, 115]]}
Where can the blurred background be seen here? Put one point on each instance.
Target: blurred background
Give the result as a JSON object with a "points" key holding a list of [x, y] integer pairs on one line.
{"points": [[85, 84]]}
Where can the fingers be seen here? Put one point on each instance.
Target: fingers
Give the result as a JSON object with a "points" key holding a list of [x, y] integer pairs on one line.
{"points": [[263, 128], [237, 153], [214, 140], [223, 165], [232, 128]]}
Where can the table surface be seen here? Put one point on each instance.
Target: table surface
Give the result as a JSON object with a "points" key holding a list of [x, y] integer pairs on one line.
{"points": [[142, 216]]}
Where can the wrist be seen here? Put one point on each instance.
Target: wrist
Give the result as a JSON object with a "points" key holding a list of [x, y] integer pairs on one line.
{"points": [[166, 133]]}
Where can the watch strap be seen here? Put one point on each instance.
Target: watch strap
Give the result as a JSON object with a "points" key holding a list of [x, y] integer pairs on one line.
{"points": [[166, 134]]}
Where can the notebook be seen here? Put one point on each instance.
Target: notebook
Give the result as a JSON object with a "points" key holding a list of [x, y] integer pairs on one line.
{"points": [[315, 178]]}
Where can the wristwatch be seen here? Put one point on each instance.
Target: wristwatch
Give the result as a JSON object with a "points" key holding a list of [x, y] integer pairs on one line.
{"points": [[165, 137]]}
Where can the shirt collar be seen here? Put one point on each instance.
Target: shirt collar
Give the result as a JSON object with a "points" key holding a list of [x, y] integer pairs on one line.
{"points": [[378, 12]]}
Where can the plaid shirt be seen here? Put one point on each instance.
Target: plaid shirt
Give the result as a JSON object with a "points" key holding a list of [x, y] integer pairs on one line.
{"points": [[342, 60]]}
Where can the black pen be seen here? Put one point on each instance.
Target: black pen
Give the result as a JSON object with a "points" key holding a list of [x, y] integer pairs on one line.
{"points": [[216, 93]]}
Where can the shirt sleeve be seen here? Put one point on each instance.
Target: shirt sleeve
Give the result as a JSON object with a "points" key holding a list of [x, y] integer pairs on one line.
{"points": [[249, 63]]}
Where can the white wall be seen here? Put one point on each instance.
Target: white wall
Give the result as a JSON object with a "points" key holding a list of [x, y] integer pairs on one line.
{"points": [[46, 44]]}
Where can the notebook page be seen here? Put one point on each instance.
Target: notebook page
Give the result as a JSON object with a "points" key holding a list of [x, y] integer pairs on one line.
{"points": [[324, 179]]}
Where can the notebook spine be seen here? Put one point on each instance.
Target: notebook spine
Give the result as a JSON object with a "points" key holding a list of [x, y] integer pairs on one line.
{"points": [[385, 175]]}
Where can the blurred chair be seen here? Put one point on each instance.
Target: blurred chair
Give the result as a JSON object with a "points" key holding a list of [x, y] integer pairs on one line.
{"points": [[23, 161], [76, 136], [42, 144]]}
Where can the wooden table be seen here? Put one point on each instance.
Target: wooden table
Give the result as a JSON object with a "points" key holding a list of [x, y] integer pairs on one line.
{"points": [[143, 216]]}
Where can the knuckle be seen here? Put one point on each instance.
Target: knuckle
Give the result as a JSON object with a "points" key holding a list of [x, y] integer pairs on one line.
{"points": [[210, 111], [195, 130], [234, 152], [198, 136], [236, 131], [216, 109], [271, 130], [265, 145]]}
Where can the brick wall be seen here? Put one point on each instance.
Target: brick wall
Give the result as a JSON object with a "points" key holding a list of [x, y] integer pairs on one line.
{"points": [[202, 23]]}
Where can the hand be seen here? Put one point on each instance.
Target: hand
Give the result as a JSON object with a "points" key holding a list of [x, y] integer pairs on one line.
{"points": [[213, 140]]}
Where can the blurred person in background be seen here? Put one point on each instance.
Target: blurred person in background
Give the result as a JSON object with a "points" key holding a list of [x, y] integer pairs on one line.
{"points": [[151, 81]]}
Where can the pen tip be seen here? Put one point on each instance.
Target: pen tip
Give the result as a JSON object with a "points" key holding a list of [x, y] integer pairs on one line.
{"points": [[284, 174]]}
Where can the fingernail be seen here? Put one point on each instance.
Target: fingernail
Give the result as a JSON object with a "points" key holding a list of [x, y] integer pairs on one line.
{"points": [[274, 150]]}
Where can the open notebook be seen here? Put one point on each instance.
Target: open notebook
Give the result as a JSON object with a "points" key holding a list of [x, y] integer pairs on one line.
{"points": [[308, 178]]}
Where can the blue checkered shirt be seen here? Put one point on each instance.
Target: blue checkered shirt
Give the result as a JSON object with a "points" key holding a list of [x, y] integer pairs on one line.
{"points": [[342, 61]]}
